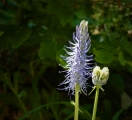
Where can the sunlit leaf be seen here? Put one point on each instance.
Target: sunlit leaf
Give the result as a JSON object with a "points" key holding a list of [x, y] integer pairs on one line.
{"points": [[103, 56], [121, 58]]}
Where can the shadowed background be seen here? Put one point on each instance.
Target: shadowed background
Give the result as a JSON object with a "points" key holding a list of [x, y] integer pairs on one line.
{"points": [[32, 38]]}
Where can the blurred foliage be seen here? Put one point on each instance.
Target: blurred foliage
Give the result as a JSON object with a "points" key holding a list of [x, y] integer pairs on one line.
{"points": [[32, 38]]}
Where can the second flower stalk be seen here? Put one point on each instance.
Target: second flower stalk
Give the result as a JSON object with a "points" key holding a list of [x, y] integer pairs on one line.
{"points": [[99, 78], [79, 67]]}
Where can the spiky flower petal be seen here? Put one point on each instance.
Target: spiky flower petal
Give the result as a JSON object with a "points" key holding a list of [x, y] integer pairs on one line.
{"points": [[78, 63]]}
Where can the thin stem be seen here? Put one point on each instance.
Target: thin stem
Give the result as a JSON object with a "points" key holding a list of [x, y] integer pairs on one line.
{"points": [[20, 101], [95, 102], [77, 90], [22, 105], [34, 84]]}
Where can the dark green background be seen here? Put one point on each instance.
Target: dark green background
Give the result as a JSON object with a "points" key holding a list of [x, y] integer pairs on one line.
{"points": [[32, 38]]}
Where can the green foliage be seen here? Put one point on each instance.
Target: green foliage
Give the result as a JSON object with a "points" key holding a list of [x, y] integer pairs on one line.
{"points": [[20, 36], [103, 56], [116, 116], [33, 34], [45, 47]]}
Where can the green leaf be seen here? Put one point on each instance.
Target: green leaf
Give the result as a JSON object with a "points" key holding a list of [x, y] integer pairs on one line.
{"points": [[22, 94], [58, 58], [116, 116], [61, 10], [117, 81], [80, 14], [85, 113], [126, 1], [129, 65], [39, 108], [47, 49], [103, 56], [108, 106], [127, 45], [5, 78], [20, 36], [88, 8], [7, 33], [66, 111], [1, 33], [16, 76], [70, 116], [121, 58]]}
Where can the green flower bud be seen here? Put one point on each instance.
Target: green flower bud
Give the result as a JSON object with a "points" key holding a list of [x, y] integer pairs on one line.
{"points": [[100, 77], [104, 75], [96, 75], [83, 26]]}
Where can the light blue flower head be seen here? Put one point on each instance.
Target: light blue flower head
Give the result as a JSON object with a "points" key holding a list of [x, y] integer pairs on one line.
{"points": [[78, 63]]}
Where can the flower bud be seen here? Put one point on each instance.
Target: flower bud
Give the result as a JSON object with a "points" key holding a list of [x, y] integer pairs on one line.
{"points": [[100, 77], [104, 75], [83, 26], [96, 75]]}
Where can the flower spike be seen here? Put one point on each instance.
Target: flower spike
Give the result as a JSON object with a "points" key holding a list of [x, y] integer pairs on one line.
{"points": [[78, 63]]}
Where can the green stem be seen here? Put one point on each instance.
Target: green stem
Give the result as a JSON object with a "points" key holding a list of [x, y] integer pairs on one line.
{"points": [[95, 102], [22, 105], [40, 116], [77, 90], [34, 84], [20, 101]]}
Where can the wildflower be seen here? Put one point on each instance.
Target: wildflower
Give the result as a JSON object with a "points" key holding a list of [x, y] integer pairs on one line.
{"points": [[78, 63], [100, 77]]}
